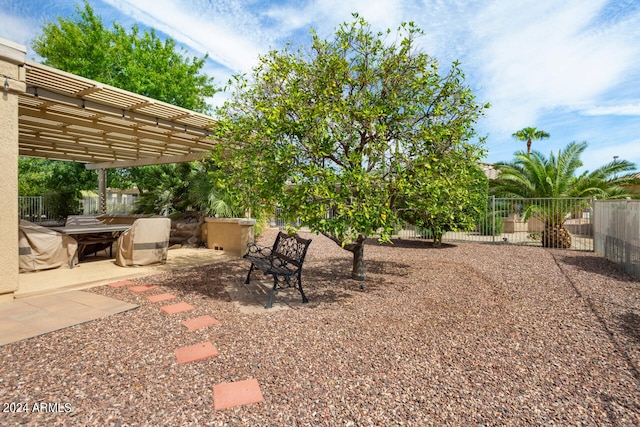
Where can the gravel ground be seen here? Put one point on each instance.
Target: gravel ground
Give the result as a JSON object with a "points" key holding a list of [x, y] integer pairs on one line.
{"points": [[466, 334]]}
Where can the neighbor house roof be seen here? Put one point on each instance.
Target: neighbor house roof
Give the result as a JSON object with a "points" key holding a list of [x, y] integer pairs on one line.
{"points": [[67, 117]]}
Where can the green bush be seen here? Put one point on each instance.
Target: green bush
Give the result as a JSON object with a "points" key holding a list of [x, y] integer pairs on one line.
{"points": [[62, 203], [491, 227]]}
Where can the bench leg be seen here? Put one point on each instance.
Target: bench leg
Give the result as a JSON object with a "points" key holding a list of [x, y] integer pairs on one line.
{"points": [[246, 282], [272, 294], [304, 297]]}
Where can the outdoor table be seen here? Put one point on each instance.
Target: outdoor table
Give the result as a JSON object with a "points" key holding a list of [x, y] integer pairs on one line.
{"points": [[80, 232]]}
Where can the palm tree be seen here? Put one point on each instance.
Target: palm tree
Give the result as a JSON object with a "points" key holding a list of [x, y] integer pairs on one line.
{"points": [[530, 134], [532, 175]]}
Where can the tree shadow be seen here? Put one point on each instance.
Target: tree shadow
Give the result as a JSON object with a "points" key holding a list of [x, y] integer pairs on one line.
{"points": [[207, 280], [409, 244], [327, 281], [335, 273], [598, 265], [630, 325]]}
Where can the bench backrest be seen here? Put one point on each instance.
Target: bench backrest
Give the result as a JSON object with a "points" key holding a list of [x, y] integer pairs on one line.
{"points": [[292, 249]]}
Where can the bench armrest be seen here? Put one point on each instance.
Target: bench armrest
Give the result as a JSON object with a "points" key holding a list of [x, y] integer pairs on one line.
{"points": [[256, 251]]}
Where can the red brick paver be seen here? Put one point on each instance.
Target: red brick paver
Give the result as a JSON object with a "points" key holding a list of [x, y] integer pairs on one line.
{"points": [[177, 308], [142, 288], [200, 322], [122, 283], [161, 297], [228, 395], [194, 353]]}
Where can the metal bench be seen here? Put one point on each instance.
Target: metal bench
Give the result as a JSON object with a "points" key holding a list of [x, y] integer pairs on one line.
{"points": [[283, 261]]}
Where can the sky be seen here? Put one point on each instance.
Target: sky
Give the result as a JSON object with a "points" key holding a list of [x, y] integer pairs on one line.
{"points": [[570, 67]]}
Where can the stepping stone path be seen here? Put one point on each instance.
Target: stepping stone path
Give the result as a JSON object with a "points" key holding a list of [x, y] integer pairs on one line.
{"points": [[180, 307], [200, 322], [225, 395], [161, 297], [228, 395], [195, 353]]}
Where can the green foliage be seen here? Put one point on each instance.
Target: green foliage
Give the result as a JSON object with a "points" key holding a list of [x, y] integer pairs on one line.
{"points": [[62, 203], [536, 176], [530, 134], [60, 183], [32, 176], [136, 61], [167, 189], [447, 194], [343, 128], [491, 226]]}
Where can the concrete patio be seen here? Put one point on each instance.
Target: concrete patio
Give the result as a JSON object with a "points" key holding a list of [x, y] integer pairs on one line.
{"points": [[100, 270]]}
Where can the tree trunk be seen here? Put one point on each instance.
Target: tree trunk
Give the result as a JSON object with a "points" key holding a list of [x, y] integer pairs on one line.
{"points": [[357, 273], [556, 236], [437, 239], [357, 248]]}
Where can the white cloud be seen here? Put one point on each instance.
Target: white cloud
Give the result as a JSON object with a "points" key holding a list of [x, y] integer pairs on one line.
{"points": [[16, 28], [325, 15], [613, 110], [547, 57], [596, 156], [229, 36]]}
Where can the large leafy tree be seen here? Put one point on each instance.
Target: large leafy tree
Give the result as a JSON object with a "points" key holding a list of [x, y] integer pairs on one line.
{"points": [[59, 182], [38, 176], [135, 60], [555, 177], [339, 132], [530, 134]]}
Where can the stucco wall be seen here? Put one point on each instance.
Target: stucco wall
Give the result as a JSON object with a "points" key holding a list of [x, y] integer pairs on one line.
{"points": [[231, 235], [12, 58]]}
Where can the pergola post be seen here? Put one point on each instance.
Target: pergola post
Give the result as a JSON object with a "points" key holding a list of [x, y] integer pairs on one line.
{"points": [[102, 191], [12, 83]]}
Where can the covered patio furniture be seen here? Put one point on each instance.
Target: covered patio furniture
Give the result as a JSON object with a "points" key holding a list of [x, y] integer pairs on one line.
{"points": [[91, 243], [41, 248], [146, 242]]}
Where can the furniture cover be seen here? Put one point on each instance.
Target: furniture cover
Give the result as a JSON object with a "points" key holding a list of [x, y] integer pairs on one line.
{"points": [[91, 242], [146, 242], [41, 248]]}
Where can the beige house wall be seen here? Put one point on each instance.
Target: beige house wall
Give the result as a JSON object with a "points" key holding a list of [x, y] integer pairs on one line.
{"points": [[12, 82]]}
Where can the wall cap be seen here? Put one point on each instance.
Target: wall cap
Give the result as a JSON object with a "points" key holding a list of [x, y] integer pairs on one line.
{"points": [[12, 52]]}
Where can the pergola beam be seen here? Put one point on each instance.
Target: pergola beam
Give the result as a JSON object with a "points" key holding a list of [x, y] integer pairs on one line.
{"points": [[147, 161]]}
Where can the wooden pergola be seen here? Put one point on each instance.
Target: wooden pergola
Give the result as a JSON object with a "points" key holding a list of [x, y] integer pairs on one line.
{"points": [[67, 117]]}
